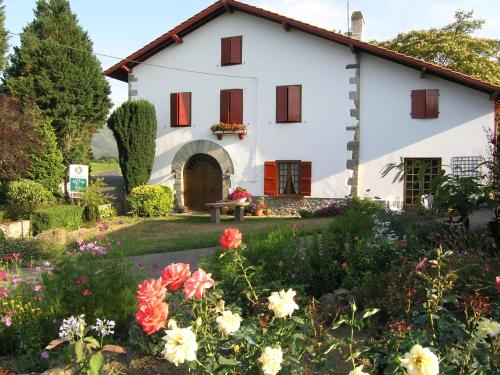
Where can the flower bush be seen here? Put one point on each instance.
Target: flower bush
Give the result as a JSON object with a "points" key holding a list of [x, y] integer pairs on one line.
{"points": [[151, 200], [238, 193]]}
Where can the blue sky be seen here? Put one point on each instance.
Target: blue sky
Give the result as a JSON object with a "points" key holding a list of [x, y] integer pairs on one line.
{"points": [[119, 27]]}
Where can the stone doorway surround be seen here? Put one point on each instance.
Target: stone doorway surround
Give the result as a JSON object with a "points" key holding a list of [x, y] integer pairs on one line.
{"points": [[201, 146]]}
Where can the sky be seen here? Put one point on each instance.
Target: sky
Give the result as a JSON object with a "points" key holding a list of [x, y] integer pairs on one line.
{"points": [[120, 27]]}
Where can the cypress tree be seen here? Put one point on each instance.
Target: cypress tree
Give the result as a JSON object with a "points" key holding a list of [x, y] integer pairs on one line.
{"points": [[3, 37], [54, 66], [134, 127]]}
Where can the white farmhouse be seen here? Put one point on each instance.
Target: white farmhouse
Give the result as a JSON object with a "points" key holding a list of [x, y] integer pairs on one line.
{"points": [[302, 111]]}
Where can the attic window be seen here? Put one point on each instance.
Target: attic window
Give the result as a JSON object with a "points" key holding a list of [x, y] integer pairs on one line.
{"points": [[231, 50], [424, 104]]}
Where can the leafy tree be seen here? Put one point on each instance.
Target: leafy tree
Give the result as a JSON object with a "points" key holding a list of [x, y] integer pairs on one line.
{"points": [[47, 167], [3, 37], [453, 47], [54, 66], [134, 127], [20, 139]]}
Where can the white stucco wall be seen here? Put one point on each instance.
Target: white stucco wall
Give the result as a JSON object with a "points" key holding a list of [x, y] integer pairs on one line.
{"points": [[388, 132], [272, 57]]}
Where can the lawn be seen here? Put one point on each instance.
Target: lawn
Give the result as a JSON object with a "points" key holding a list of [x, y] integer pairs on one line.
{"points": [[183, 232], [103, 167]]}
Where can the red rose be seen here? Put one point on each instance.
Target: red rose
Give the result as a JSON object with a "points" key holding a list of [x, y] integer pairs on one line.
{"points": [[152, 317], [231, 238], [174, 275]]}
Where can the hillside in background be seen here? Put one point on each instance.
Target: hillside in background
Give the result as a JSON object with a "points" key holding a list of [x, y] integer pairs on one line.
{"points": [[104, 144]]}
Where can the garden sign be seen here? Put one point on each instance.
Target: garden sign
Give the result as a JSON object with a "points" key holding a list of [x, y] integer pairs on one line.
{"points": [[78, 179]]}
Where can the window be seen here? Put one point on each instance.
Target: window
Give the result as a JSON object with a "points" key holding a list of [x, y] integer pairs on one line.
{"points": [[466, 166], [419, 174], [289, 103], [231, 50], [287, 178], [180, 109], [424, 104], [231, 106]]}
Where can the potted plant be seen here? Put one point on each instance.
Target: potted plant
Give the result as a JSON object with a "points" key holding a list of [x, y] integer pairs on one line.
{"points": [[239, 194], [260, 207], [222, 128]]}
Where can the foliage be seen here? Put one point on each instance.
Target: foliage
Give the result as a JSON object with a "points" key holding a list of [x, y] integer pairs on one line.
{"points": [[333, 209], [19, 138], [228, 127], [47, 167], [134, 128], [453, 47], [457, 195], [4, 46], [60, 216], [151, 200], [91, 198], [27, 196], [28, 249], [54, 67]]}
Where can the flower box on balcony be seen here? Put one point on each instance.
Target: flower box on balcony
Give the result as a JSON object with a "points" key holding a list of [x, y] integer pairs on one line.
{"points": [[220, 129]]}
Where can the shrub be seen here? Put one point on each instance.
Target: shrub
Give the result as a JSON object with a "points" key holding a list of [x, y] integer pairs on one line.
{"points": [[62, 216], [151, 200], [333, 209], [28, 195], [91, 198], [134, 127], [30, 249]]}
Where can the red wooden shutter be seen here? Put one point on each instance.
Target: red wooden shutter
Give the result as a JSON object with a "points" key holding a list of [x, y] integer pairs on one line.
{"points": [[281, 103], [418, 103], [294, 103], [224, 106], [270, 178], [235, 50], [305, 178], [174, 100], [184, 112], [432, 107], [236, 106], [225, 55]]}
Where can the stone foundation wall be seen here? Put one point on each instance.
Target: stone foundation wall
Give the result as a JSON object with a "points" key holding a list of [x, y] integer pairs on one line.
{"points": [[17, 229], [291, 207]]}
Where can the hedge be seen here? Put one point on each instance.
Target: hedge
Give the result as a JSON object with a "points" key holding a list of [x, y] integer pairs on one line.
{"points": [[63, 216]]}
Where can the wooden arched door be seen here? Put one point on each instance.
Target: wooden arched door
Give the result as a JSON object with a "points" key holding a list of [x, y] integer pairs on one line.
{"points": [[202, 182]]}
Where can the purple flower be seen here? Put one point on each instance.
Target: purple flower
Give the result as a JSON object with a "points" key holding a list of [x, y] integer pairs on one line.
{"points": [[44, 354], [38, 288]]}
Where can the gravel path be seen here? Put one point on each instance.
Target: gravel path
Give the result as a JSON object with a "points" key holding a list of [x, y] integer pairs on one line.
{"points": [[154, 263]]}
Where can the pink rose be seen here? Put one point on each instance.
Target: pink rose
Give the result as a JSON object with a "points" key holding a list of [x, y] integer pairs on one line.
{"points": [[3, 276], [87, 292], [3, 293], [175, 275], [7, 321], [38, 288], [151, 291], [197, 283], [152, 317], [231, 238]]}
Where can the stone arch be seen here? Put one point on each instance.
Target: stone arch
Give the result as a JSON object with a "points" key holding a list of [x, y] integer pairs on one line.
{"points": [[201, 146]]}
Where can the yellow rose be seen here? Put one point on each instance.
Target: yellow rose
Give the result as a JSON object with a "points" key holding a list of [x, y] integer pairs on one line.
{"points": [[487, 327], [420, 361], [358, 371], [181, 345], [228, 322], [282, 303], [271, 360]]}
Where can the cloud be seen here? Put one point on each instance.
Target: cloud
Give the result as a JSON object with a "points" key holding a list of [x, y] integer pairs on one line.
{"points": [[330, 15]]}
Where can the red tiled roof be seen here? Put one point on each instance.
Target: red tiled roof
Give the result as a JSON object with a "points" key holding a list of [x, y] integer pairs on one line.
{"points": [[118, 72]]}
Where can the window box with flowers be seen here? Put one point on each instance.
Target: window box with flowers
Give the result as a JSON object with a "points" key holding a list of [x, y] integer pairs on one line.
{"points": [[220, 129]]}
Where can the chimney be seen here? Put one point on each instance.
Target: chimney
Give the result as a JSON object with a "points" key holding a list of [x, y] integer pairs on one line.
{"points": [[357, 24]]}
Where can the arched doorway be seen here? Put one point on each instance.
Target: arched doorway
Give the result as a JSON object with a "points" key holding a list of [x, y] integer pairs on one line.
{"points": [[202, 177]]}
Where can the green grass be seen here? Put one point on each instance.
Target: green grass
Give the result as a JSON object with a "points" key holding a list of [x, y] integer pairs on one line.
{"points": [[103, 167], [183, 232]]}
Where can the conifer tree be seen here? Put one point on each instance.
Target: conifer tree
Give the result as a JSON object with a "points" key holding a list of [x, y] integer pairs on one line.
{"points": [[134, 127], [54, 66]]}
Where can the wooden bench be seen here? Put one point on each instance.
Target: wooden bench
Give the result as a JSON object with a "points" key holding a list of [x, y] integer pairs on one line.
{"points": [[216, 208]]}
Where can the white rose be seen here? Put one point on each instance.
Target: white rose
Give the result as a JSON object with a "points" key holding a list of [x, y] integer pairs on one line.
{"points": [[228, 322], [358, 371], [181, 345], [271, 360], [282, 303], [487, 327], [420, 361]]}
